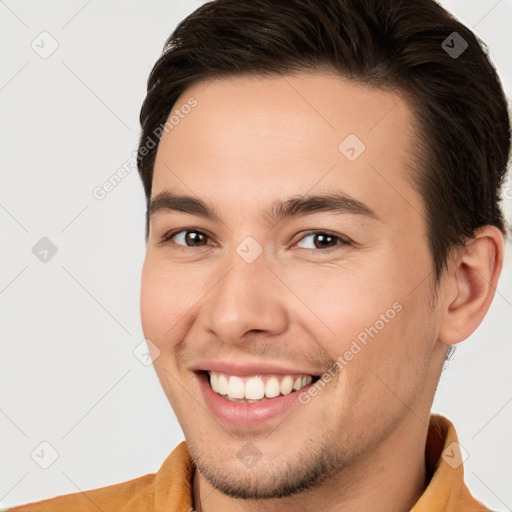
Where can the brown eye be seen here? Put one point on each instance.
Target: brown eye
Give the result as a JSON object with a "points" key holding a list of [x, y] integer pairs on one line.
{"points": [[186, 238], [324, 241]]}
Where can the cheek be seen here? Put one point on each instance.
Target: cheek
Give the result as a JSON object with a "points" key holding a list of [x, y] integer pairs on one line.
{"points": [[164, 305], [166, 296], [338, 303], [151, 307], [368, 321]]}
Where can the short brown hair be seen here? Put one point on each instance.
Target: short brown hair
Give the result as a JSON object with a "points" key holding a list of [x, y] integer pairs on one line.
{"points": [[463, 147]]}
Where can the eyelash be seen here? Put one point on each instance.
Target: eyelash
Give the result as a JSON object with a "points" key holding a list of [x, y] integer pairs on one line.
{"points": [[343, 241]]}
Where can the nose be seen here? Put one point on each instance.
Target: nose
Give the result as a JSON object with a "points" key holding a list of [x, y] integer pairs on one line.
{"points": [[248, 298]]}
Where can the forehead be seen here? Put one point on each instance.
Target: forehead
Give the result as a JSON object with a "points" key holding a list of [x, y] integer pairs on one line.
{"points": [[251, 140]]}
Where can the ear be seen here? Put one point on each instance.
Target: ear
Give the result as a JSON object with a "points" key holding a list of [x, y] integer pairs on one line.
{"points": [[470, 283]]}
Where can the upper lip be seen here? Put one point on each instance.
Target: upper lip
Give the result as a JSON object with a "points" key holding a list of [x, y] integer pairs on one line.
{"points": [[250, 368]]}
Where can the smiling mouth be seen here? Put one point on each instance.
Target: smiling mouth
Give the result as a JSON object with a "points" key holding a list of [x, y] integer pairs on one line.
{"points": [[256, 388]]}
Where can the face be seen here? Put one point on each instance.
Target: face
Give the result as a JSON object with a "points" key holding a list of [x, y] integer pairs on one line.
{"points": [[299, 252]]}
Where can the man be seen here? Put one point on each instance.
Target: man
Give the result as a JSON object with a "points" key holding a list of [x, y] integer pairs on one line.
{"points": [[323, 226]]}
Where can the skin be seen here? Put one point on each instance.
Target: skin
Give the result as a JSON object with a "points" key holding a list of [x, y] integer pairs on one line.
{"points": [[359, 444]]}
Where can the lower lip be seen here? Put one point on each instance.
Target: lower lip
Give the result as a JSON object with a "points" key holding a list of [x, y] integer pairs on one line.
{"points": [[247, 414]]}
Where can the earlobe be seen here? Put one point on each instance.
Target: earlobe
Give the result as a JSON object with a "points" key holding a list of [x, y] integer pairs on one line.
{"points": [[472, 282]]}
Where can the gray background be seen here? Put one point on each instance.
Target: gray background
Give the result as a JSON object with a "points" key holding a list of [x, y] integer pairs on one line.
{"points": [[68, 373]]}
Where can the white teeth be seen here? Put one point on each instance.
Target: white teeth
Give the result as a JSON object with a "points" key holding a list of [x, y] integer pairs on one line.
{"points": [[286, 385], [222, 384], [236, 388], [272, 388], [254, 389], [214, 379]]}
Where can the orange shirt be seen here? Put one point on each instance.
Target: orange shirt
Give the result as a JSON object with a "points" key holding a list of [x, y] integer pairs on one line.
{"points": [[170, 489]]}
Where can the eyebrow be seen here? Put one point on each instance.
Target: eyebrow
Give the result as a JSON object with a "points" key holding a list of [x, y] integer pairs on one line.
{"points": [[335, 202]]}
